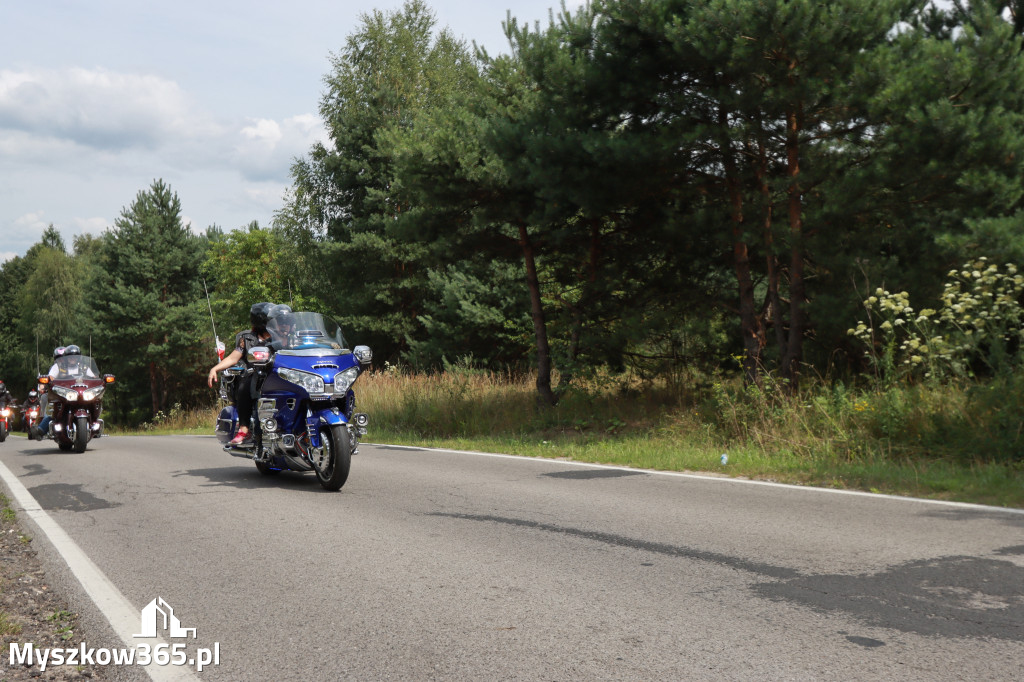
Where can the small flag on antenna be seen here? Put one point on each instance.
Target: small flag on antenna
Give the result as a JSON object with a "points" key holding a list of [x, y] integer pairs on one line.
{"points": [[220, 348]]}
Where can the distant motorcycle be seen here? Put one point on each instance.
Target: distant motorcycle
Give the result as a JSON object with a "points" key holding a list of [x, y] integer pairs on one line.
{"points": [[5, 422], [30, 417], [76, 402], [303, 415]]}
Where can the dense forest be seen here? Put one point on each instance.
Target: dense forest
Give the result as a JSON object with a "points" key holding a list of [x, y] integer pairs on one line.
{"points": [[781, 188]]}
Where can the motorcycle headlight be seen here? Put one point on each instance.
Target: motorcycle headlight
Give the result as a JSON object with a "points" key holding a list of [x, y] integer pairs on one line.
{"points": [[93, 393], [68, 394], [312, 383], [344, 380], [6, 411]]}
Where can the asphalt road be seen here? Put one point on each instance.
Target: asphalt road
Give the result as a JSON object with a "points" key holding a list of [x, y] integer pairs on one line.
{"points": [[457, 566]]}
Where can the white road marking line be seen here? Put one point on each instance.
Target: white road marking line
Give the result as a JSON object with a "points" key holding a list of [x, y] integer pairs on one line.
{"points": [[710, 477], [119, 612]]}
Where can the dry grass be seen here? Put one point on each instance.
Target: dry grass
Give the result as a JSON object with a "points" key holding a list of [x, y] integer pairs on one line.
{"points": [[954, 441]]}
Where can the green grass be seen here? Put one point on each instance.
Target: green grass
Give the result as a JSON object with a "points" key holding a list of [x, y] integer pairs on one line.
{"points": [[952, 442], [958, 442], [7, 626]]}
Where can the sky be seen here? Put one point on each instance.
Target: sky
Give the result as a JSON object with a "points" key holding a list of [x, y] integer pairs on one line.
{"points": [[216, 98]]}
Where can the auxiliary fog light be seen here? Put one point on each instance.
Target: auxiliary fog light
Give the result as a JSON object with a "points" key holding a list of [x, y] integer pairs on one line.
{"points": [[58, 427], [270, 425], [361, 419]]}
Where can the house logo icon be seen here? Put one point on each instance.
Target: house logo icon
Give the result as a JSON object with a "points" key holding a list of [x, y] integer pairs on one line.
{"points": [[158, 615]]}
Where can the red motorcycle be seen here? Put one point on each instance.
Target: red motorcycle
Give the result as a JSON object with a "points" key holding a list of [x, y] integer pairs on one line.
{"points": [[5, 422], [76, 401], [29, 417]]}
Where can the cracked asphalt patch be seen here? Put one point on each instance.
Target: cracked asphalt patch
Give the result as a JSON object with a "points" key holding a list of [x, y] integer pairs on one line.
{"points": [[948, 596]]}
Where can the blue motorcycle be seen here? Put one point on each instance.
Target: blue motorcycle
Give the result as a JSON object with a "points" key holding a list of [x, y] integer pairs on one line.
{"points": [[303, 413]]}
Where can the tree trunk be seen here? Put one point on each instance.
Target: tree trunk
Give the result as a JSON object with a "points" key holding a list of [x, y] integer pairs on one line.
{"points": [[773, 297], [794, 348], [545, 396], [751, 328], [576, 334], [154, 388]]}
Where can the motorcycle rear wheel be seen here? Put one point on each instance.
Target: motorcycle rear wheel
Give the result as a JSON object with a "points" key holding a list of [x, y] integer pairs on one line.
{"points": [[335, 460], [81, 433]]}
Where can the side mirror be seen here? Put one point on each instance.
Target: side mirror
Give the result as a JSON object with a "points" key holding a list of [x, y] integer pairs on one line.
{"points": [[363, 354], [259, 356], [108, 379]]}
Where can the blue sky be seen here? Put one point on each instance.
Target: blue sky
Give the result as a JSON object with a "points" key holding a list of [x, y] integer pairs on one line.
{"points": [[100, 98]]}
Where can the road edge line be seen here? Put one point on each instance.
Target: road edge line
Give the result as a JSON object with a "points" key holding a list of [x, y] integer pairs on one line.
{"points": [[115, 607], [722, 478]]}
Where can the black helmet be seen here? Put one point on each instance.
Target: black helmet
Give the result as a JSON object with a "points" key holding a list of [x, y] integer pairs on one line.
{"points": [[259, 314], [58, 352], [72, 350]]}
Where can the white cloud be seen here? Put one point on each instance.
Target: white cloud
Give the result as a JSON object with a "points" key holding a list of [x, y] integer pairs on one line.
{"points": [[31, 222], [99, 109], [47, 116], [82, 142], [94, 226], [265, 148], [27, 229]]}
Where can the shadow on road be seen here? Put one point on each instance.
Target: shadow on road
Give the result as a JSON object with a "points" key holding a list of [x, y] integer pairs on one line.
{"points": [[248, 478], [68, 497]]}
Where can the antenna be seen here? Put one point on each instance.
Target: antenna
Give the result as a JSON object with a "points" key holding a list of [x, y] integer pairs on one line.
{"points": [[291, 302], [210, 306], [216, 339]]}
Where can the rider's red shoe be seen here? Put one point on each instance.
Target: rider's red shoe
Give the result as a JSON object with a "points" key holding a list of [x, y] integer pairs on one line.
{"points": [[240, 438]]}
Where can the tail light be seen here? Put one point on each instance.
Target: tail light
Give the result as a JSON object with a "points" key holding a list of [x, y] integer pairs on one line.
{"points": [[258, 356]]}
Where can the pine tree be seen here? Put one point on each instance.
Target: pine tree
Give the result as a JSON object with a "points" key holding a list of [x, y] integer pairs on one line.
{"points": [[149, 311]]}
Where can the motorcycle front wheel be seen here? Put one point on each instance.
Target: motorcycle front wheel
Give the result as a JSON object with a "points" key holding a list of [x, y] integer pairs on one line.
{"points": [[334, 459], [81, 433], [3, 432]]}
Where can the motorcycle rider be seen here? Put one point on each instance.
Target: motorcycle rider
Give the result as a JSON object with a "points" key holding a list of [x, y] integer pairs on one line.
{"points": [[71, 365], [5, 396], [44, 424], [282, 324], [257, 335], [30, 402], [58, 353]]}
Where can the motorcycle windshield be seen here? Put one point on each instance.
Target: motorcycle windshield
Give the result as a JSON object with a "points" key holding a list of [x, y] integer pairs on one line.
{"points": [[75, 367], [306, 331]]}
